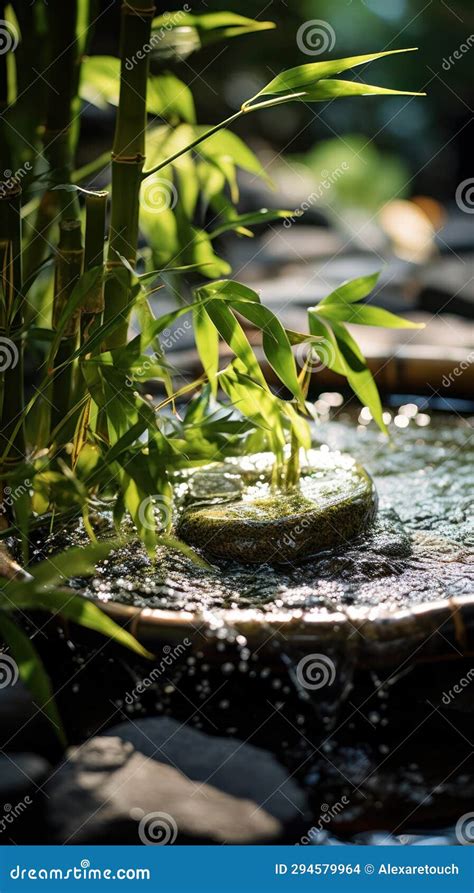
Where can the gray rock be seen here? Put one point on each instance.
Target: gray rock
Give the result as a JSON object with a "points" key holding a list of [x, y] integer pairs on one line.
{"points": [[109, 792], [21, 797], [232, 766]]}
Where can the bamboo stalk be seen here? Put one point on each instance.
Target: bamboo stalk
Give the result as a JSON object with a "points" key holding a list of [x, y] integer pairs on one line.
{"points": [[96, 209], [68, 270], [11, 325], [128, 157], [62, 80]]}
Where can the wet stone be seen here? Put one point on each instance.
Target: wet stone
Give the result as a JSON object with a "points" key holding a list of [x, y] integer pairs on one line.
{"points": [[334, 501], [419, 549]]}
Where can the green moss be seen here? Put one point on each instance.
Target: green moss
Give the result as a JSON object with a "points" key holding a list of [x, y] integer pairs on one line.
{"points": [[334, 502]]}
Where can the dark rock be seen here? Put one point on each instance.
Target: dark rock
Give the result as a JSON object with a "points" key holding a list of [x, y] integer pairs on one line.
{"points": [[21, 797], [109, 792], [230, 765]]}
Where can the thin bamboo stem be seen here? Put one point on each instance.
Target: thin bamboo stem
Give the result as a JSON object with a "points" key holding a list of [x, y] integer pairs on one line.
{"points": [[96, 210], [62, 80], [11, 326], [68, 270], [244, 110], [127, 158]]}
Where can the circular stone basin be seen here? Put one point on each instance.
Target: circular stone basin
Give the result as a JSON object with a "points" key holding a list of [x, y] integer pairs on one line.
{"points": [[334, 501]]}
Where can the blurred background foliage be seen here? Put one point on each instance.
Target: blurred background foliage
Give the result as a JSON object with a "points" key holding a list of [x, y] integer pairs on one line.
{"points": [[416, 146]]}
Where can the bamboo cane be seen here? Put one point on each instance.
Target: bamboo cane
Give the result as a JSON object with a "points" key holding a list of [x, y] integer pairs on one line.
{"points": [[128, 158], [68, 270], [11, 323], [62, 79], [96, 209]]}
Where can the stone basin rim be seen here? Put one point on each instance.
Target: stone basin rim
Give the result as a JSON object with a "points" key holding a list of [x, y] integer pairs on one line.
{"points": [[440, 630]]}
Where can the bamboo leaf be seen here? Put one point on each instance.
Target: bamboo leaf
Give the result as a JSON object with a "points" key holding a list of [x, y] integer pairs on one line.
{"points": [[207, 343], [100, 80], [352, 290], [366, 315], [79, 561], [251, 219], [306, 76], [77, 609], [357, 373], [170, 98], [334, 89]]}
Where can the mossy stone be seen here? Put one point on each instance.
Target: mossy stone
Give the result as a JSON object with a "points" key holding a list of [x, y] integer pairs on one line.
{"points": [[334, 502]]}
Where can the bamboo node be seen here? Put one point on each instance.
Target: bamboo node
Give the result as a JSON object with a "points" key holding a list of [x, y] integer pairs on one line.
{"points": [[119, 263], [128, 159], [149, 12]]}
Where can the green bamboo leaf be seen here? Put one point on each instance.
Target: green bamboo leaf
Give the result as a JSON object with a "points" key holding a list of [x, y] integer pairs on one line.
{"points": [[303, 77], [209, 21], [342, 355], [256, 402], [77, 609], [100, 80], [182, 33], [226, 146], [254, 218], [357, 373], [275, 342], [335, 89], [169, 97], [207, 343], [32, 672], [352, 290], [232, 332], [78, 561], [367, 315], [328, 352]]}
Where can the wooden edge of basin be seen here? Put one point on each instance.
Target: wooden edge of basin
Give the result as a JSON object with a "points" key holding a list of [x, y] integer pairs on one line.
{"points": [[439, 630]]}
